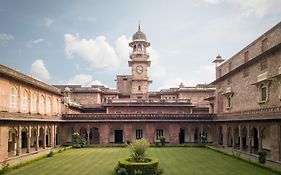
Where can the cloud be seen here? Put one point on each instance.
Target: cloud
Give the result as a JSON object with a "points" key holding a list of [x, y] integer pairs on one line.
{"points": [[84, 80], [5, 38], [98, 52], [48, 22], [122, 47], [33, 42], [39, 71], [259, 8]]}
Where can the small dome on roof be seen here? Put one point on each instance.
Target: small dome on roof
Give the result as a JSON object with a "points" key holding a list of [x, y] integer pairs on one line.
{"points": [[139, 35], [66, 89]]}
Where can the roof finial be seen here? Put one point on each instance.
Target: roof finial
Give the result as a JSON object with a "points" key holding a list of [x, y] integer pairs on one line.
{"points": [[139, 26]]}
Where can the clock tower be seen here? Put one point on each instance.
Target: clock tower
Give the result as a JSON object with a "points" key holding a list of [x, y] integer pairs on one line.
{"points": [[139, 64]]}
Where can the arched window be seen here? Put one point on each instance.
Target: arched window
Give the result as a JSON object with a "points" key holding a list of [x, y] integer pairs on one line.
{"points": [[55, 106], [139, 88], [34, 102], [24, 101], [42, 105], [48, 105], [14, 98], [263, 93]]}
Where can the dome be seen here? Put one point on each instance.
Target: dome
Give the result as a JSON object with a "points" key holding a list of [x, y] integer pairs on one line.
{"points": [[66, 89], [139, 35]]}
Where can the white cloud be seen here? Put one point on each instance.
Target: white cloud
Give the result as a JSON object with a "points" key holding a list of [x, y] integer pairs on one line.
{"points": [[39, 40], [97, 51], [122, 47], [84, 80], [259, 8], [39, 71], [49, 22], [5, 38]]}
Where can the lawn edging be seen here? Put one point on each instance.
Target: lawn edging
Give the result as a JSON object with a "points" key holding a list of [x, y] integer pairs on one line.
{"points": [[244, 159], [24, 163]]}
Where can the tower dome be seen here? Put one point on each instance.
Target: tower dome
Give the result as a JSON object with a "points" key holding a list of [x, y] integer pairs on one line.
{"points": [[139, 35]]}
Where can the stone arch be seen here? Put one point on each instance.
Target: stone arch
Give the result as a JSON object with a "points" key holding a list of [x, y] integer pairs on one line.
{"points": [[236, 139], [12, 142], [207, 131], [83, 133], [229, 137], [244, 138], [196, 135], [58, 136], [94, 135], [33, 138], [266, 142], [183, 135], [41, 136], [255, 139], [220, 135], [48, 136], [68, 134], [24, 137], [116, 134]]}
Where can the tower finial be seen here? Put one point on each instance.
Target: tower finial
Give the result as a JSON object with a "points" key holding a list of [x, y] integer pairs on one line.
{"points": [[139, 26]]}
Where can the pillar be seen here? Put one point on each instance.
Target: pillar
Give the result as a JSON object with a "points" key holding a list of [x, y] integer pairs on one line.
{"points": [[37, 138], [88, 136], [55, 136], [18, 152], [249, 134], [104, 133], [52, 136], [28, 139], [275, 136], [190, 134], [225, 136], [233, 136], [260, 136], [4, 132]]}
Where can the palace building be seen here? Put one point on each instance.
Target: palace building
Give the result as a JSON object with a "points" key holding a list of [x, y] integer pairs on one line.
{"points": [[239, 110]]}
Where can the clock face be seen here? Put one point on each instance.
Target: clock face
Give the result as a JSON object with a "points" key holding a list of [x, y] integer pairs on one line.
{"points": [[139, 69]]}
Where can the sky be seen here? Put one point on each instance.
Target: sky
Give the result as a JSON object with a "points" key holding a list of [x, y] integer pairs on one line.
{"points": [[86, 42]]}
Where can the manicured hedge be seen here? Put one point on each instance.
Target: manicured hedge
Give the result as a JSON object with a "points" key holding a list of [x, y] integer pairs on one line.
{"points": [[148, 168]]}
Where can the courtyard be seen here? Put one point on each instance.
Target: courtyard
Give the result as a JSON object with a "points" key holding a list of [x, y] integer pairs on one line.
{"points": [[174, 161]]}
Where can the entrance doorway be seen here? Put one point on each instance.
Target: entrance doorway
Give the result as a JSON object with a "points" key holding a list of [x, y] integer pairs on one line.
{"points": [[182, 136], [118, 136], [255, 139], [23, 139]]}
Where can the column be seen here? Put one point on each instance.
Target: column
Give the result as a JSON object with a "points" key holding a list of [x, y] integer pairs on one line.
{"points": [[18, 152], [88, 136], [44, 136], [240, 137], [28, 139], [233, 136], [55, 136], [260, 135], [37, 138], [225, 135], [190, 134], [275, 141], [52, 136], [249, 138]]}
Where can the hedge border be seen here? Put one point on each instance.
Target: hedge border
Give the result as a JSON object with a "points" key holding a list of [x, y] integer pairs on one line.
{"points": [[245, 160], [27, 162]]}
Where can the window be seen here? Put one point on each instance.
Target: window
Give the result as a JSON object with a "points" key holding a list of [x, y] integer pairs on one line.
{"points": [[228, 102], [263, 93], [264, 45], [139, 134], [42, 105], [139, 88], [34, 102], [246, 56], [48, 105], [246, 73], [159, 133], [229, 81], [263, 65], [55, 107], [24, 101], [14, 97]]}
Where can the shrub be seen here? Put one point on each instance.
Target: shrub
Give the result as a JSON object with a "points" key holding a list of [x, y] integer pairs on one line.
{"points": [[162, 141], [50, 154], [138, 148], [159, 172], [78, 142], [5, 167], [138, 172], [262, 157], [121, 171], [147, 168]]}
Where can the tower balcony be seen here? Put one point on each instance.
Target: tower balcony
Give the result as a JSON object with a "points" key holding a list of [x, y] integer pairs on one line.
{"points": [[139, 53]]}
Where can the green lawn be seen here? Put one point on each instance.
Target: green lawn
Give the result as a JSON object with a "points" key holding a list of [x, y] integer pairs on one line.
{"points": [[174, 161]]}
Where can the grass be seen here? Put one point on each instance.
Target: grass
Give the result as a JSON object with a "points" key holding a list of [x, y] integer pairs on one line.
{"points": [[174, 161]]}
